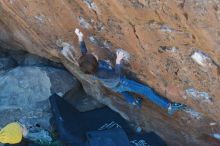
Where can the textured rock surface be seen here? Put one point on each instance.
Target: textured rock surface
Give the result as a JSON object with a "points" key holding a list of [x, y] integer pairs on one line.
{"points": [[6, 63], [25, 91], [80, 100], [33, 60], [161, 37]]}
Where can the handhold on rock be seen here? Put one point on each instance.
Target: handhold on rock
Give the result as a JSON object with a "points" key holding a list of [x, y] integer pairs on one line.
{"points": [[201, 58], [167, 48]]}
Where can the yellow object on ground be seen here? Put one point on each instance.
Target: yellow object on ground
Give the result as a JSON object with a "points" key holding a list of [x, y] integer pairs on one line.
{"points": [[11, 133]]}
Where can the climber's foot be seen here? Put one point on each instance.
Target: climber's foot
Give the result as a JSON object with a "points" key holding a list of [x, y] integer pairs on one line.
{"points": [[174, 107]]}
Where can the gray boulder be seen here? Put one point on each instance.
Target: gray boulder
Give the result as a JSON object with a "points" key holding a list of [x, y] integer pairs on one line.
{"points": [[25, 91], [80, 100], [34, 60], [7, 63]]}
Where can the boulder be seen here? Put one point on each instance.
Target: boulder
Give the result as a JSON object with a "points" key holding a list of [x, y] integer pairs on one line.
{"points": [[7, 63], [80, 100], [25, 91], [35, 60]]}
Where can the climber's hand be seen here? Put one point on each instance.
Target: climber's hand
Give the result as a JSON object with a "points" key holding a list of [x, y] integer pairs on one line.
{"points": [[79, 34], [120, 56]]}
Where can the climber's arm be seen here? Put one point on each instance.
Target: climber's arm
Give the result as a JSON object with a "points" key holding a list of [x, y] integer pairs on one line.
{"points": [[82, 44], [118, 65], [82, 47]]}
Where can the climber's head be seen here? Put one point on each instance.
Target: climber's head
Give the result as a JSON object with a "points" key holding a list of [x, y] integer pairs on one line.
{"points": [[88, 63]]}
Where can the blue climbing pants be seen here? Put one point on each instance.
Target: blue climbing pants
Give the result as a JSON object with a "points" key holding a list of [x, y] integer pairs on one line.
{"points": [[127, 85]]}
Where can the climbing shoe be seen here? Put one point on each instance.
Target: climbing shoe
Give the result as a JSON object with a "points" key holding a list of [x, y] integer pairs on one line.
{"points": [[174, 107]]}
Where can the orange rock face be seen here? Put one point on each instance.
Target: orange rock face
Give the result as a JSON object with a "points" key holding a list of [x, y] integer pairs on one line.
{"points": [[160, 35]]}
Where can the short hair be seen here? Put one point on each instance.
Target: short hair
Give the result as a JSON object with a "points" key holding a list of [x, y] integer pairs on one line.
{"points": [[88, 63]]}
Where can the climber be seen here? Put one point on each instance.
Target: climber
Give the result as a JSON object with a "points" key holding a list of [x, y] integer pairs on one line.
{"points": [[114, 80], [13, 133]]}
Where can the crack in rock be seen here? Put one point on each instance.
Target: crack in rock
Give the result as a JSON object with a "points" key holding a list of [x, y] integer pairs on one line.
{"points": [[136, 35]]}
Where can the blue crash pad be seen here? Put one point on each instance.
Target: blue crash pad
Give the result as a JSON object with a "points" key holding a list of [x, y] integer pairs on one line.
{"points": [[73, 126]]}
